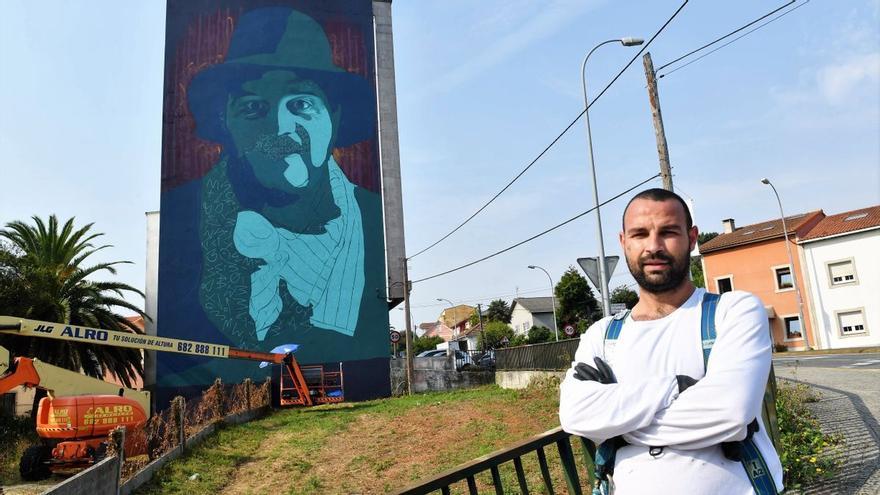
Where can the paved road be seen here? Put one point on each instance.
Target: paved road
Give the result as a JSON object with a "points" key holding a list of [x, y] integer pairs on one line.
{"points": [[849, 386], [846, 361]]}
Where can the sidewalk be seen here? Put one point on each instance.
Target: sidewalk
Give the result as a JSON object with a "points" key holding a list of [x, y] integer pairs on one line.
{"points": [[848, 350], [849, 407]]}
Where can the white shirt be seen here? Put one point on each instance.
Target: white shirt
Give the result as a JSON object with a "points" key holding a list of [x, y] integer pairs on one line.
{"points": [[645, 407]]}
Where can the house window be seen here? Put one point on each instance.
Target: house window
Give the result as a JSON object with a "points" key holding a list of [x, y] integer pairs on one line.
{"points": [[842, 272], [851, 322], [724, 284], [793, 328], [784, 280]]}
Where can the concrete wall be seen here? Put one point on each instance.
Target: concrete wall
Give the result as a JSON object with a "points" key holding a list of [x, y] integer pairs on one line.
{"points": [[389, 150], [100, 479], [862, 294], [522, 379]]}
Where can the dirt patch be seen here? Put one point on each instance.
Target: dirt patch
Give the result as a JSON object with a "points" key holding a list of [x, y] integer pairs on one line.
{"points": [[378, 452]]}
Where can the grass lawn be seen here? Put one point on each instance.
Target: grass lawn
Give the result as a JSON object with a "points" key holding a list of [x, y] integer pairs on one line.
{"points": [[368, 447]]}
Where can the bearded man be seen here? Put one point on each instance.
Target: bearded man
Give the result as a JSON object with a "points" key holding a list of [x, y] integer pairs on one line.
{"points": [[289, 250], [671, 415]]}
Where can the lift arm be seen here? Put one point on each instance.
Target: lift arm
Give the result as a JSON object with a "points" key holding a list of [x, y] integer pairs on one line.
{"points": [[60, 331]]}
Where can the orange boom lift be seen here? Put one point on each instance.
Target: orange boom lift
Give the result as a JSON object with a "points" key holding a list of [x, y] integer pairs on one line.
{"points": [[75, 419]]}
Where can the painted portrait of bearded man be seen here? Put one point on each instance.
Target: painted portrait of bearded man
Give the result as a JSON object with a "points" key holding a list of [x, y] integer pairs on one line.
{"points": [[278, 246]]}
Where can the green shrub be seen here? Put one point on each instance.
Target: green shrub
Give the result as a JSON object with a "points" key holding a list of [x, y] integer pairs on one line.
{"points": [[17, 433], [803, 447], [538, 335]]}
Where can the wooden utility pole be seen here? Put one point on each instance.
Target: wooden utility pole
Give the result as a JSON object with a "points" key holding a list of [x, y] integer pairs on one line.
{"points": [[654, 99], [406, 310], [480, 316]]}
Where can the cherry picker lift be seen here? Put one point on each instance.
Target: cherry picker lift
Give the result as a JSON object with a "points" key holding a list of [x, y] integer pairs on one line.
{"points": [[74, 420]]}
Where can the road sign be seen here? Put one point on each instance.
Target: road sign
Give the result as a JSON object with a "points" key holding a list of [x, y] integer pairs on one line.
{"points": [[395, 336], [569, 330], [590, 266], [617, 308]]}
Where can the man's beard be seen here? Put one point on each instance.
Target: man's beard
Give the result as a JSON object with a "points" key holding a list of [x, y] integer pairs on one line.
{"points": [[664, 281]]}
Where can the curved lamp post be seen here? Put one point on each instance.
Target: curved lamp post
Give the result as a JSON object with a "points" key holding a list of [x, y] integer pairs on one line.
{"points": [[552, 299], [797, 290], [603, 277]]}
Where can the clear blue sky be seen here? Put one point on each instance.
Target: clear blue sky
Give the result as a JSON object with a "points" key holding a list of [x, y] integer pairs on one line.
{"points": [[482, 88]]}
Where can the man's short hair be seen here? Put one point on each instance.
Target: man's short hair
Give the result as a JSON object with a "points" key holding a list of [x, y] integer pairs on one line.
{"points": [[657, 194]]}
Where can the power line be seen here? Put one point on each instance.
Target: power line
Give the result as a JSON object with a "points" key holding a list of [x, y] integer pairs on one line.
{"points": [[733, 40], [479, 299], [551, 229], [557, 138]]}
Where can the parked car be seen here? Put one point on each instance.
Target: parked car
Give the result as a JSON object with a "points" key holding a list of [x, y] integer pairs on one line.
{"points": [[487, 360], [432, 353]]}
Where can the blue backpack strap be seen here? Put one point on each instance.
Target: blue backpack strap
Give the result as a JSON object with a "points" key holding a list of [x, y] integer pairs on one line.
{"points": [[707, 325], [752, 460], [607, 450]]}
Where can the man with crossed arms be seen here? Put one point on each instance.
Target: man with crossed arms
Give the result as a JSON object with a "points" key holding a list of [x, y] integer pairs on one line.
{"points": [[654, 391]]}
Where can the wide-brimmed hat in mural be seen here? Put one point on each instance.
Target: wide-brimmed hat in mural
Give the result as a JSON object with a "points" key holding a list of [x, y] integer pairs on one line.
{"points": [[280, 38]]}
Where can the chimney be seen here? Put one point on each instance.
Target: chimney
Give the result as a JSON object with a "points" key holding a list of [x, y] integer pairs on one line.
{"points": [[729, 225]]}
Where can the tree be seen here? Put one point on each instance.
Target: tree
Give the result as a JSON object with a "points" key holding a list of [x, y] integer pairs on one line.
{"points": [[539, 334], [422, 344], [43, 276], [575, 299], [696, 261], [625, 295], [493, 333], [498, 310]]}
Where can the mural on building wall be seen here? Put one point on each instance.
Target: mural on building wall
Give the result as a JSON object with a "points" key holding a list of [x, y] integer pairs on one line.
{"points": [[271, 217]]}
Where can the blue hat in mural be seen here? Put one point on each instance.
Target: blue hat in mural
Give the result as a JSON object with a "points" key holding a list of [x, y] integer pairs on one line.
{"points": [[279, 38]]}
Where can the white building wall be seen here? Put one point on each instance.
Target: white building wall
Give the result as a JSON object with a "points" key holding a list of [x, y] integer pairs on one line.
{"points": [[521, 319], [864, 294]]}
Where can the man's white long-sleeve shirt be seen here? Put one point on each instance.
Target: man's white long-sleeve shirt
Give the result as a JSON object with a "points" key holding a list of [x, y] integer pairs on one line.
{"points": [[646, 408]]}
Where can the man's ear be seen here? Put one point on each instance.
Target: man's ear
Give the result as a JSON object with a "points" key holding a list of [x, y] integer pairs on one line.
{"points": [[620, 238], [693, 234]]}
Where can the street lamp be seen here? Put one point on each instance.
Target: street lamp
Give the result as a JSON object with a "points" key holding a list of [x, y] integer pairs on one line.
{"points": [[552, 299], [797, 290], [603, 277]]}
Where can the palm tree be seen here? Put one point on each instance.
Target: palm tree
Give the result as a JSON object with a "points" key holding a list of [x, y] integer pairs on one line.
{"points": [[43, 276]]}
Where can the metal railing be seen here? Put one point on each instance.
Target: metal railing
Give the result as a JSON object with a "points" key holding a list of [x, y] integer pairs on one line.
{"points": [[516, 454], [553, 356]]}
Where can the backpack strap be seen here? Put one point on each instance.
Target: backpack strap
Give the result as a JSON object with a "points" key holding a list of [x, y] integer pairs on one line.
{"points": [[752, 460], [707, 324], [607, 450]]}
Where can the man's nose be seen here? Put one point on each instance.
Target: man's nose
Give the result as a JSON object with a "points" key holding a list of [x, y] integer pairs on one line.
{"points": [[654, 244]]}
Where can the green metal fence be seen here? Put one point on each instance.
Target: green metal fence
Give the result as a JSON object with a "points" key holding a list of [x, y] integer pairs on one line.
{"points": [[551, 356]]}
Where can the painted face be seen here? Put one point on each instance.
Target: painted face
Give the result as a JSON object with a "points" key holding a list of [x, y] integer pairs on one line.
{"points": [[281, 124], [657, 244]]}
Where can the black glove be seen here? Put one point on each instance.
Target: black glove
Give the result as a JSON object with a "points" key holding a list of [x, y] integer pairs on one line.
{"points": [[601, 373], [684, 382], [733, 450]]}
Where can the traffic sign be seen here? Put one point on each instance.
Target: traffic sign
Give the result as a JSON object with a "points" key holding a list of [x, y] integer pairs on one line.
{"points": [[591, 268], [569, 330], [395, 336]]}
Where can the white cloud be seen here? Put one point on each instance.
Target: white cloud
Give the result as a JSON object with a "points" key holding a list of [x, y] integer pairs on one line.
{"points": [[838, 81], [532, 28]]}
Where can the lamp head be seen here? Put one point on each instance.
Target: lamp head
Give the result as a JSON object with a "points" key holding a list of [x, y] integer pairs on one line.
{"points": [[765, 181], [630, 41], [532, 267]]}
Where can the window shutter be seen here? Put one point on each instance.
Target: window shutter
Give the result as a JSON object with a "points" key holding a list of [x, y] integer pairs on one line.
{"points": [[841, 273]]}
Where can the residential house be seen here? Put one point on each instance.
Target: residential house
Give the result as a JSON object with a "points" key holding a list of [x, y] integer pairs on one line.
{"points": [[754, 258], [457, 317], [436, 329], [527, 312], [843, 278]]}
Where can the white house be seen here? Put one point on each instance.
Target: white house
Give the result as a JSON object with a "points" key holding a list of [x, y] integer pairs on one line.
{"points": [[527, 312], [840, 256]]}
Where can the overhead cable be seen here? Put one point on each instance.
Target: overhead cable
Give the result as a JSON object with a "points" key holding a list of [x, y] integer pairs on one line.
{"points": [[728, 35], [557, 138], [532, 238]]}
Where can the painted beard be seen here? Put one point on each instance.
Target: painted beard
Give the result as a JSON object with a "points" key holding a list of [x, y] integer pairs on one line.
{"points": [[663, 281]]}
